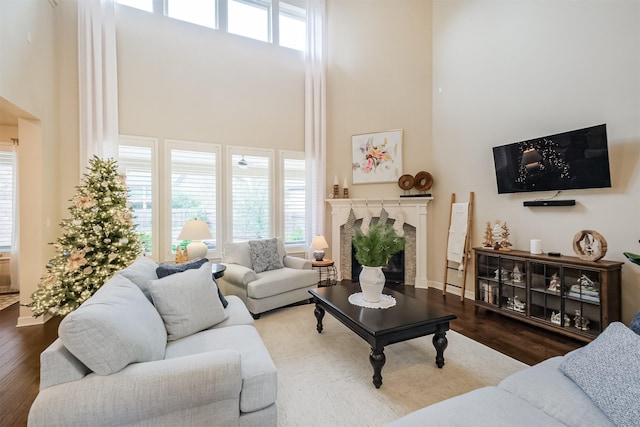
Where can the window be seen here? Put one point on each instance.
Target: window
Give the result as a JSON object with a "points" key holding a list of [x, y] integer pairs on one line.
{"points": [[270, 21], [136, 159], [293, 26], [146, 5], [251, 200], [7, 189], [193, 187], [200, 12], [293, 197]]}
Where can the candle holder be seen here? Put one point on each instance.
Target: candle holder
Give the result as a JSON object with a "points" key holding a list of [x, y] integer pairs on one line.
{"points": [[336, 191], [345, 193]]}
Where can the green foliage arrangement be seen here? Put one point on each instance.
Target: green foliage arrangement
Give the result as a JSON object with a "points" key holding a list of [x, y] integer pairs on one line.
{"points": [[375, 248], [632, 257], [98, 240]]}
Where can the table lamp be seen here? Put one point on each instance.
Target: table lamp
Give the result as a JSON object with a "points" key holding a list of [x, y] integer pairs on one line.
{"points": [[318, 244], [195, 230]]}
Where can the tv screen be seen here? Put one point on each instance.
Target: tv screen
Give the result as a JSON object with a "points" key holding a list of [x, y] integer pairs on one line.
{"points": [[570, 160]]}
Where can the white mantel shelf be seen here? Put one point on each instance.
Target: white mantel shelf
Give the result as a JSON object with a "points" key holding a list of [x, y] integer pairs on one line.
{"points": [[414, 208]]}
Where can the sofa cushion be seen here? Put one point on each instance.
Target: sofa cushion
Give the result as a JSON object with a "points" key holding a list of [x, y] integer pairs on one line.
{"points": [[165, 270], [140, 272], [608, 370], [115, 327], [188, 302], [487, 406], [274, 282], [237, 253], [265, 255], [635, 324], [564, 400], [259, 376]]}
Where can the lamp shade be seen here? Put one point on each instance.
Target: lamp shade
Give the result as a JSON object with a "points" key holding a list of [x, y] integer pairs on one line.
{"points": [[319, 242], [195, 229]]}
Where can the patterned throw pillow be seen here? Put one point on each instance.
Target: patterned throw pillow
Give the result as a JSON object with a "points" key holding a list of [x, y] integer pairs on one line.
{"points": [[264, 255]]}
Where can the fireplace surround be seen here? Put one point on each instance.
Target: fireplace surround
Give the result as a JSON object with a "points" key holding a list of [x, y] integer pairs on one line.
{"points": [[415, 228]]}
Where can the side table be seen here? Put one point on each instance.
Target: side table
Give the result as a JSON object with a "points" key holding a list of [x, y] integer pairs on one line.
{"points": [[218, 270], [327, 272]]}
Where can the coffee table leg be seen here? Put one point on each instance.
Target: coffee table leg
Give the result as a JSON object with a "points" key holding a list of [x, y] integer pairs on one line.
{"points": [[377, 359], [440, 343], [319, 312]]}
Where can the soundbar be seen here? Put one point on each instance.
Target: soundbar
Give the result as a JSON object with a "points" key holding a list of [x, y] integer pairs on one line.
{"points": [[550, 203]]}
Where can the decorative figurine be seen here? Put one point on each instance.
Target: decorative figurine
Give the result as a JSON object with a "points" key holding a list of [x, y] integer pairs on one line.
{"points": [[515, 304], [581, 322], [504, 241], [505, 275], [488, 239], [179, 255], [497, 274], [554, 285], [585, 289], [555, 318], [517, 276], [496, 234]]}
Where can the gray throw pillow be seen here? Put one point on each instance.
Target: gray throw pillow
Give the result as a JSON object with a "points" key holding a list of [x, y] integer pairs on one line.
{"points": [[187, 302], [264, 255], [165, 270], [115, 327], [140, 272], [608, 371]]}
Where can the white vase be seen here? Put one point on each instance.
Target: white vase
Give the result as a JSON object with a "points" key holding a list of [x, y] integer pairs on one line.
{"points": [[371, 282]]}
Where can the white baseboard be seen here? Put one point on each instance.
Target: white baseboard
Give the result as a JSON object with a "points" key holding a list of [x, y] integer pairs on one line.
{"points": [[32, 321]]}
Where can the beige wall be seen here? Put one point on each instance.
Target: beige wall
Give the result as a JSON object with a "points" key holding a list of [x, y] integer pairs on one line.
{"points": [[378, 78], [510, 71], [29, 88], [182, 81]]}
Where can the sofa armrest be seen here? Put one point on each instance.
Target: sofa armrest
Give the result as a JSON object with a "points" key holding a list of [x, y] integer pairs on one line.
{"points": [[141, 391], [295, 262], [238, 275]]}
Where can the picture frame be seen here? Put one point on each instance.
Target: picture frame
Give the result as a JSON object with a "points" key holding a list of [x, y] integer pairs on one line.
{"points": [[376, 157]]}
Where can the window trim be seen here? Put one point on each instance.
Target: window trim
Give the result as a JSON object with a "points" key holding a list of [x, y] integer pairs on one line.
{"points": [[184, 145], [152, 143]]}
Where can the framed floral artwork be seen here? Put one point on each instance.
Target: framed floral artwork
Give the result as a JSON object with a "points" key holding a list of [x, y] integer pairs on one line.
{"points": [[376, 157]]}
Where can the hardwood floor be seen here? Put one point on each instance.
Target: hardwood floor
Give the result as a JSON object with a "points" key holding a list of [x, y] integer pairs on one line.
{"points": [[20, 348]]}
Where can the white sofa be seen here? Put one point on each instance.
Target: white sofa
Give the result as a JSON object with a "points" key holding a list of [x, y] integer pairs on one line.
{"points": [[262, 274], [187, 360]]}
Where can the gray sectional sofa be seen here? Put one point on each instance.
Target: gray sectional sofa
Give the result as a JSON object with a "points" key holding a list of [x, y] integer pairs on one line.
{"points": [[149, 351], [597, 385]]}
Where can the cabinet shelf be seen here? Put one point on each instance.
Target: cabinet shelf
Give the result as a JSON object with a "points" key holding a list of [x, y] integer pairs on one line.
{"points": [[585, 300]]}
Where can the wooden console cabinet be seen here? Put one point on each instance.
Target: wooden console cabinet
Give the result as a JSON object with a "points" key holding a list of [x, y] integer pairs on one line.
{"points": [[565, 294]]}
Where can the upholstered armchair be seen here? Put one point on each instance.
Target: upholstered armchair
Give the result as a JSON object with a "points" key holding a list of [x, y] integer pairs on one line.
{"points": [[262, 274]]}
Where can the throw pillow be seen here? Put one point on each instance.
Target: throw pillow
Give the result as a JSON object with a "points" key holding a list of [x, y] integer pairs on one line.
{"points": [[264, 255], [187, 302], [140, 272], [115, 327], [237, 253], [608, 371], [165, 270], [635, 324]]}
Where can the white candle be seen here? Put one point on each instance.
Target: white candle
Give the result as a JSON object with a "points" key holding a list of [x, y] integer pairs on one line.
{"points": [[345, 183], [335, 180], [536, 246]]}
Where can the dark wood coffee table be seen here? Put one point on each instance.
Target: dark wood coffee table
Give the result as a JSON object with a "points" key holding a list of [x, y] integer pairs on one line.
{"points": [[409, 318]]}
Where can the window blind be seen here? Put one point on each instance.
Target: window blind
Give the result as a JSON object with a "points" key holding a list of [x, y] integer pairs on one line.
{"points": [[294, 193], [6, 198], [250, 195]]}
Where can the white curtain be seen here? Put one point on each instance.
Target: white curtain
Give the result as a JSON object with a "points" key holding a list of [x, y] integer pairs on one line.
{"points": [[15, 233], [98, 83], [315, 117]]}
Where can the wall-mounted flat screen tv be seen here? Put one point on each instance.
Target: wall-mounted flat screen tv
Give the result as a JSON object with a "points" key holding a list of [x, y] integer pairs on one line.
{"points": [[570, 160]]}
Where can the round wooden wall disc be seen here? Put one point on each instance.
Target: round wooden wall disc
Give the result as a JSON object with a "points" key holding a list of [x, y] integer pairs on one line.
{"points": [[589, 245], [405, 182], [423, 181]]}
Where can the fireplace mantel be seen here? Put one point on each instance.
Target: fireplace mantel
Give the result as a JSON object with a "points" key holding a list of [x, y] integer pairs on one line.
{"points": [[415, 211]]}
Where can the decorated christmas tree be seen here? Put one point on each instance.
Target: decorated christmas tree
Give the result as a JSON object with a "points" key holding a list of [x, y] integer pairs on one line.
{"points": [[98, 240]]}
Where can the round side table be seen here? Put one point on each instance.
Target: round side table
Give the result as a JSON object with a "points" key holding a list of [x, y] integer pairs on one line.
{"points": [[327, 272]]}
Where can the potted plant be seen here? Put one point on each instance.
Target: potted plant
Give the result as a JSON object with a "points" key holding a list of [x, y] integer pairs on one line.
{"points": [[373, 251]]}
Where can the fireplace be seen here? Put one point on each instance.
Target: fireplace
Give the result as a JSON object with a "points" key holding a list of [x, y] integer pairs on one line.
{"points": [[414, 210], [393, 271]]}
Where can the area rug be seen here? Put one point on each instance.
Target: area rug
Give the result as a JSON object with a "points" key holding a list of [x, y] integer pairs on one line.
{"points": [[325, 379], [7, 300]]}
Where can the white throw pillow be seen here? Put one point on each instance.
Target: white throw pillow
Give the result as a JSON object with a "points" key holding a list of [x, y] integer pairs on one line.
{"points": [[140, 272], [187, 302], [115, 327], [237, 253]]}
